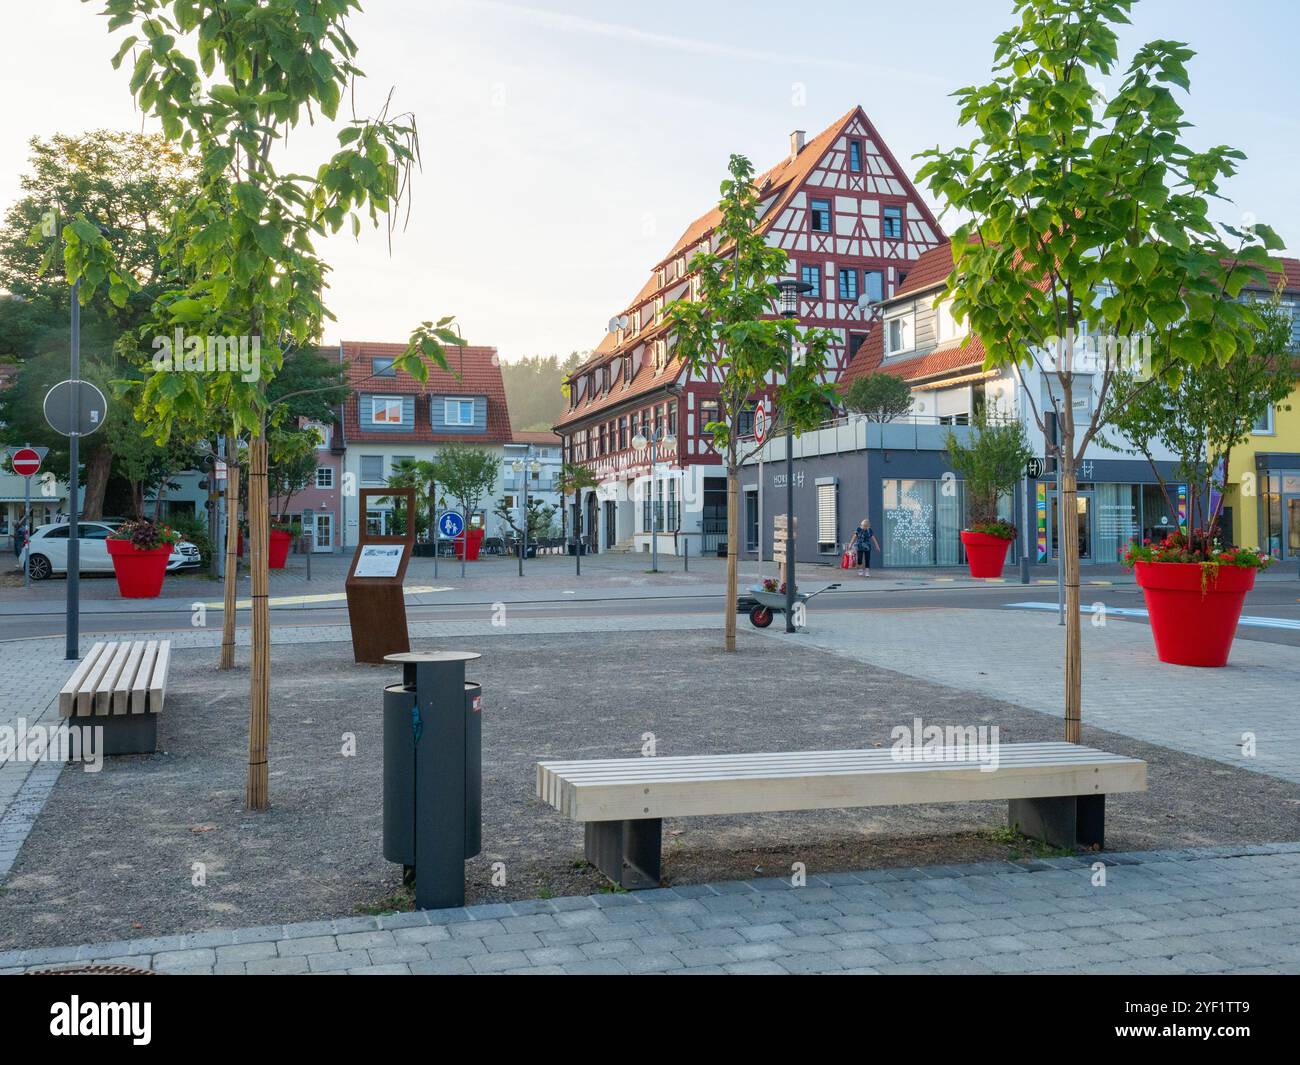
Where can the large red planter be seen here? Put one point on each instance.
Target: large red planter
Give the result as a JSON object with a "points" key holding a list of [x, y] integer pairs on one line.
{"points": [[278, 550], [985, 554], [1193, 625], [468, 544], [139, 573]]}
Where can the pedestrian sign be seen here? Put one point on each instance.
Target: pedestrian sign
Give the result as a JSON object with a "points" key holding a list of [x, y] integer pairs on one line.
{"points": [[451, 525]]}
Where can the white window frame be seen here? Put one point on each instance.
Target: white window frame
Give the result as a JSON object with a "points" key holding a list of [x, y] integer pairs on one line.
{"points": [[1268, 429], [946, 322], [449, 403], [361, 469], [386, 402], [329, 476], [907, 342]]}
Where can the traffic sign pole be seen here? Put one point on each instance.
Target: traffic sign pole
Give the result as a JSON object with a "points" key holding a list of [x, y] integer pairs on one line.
{"points": [[27, 510], [72, 649], [26, 463]]}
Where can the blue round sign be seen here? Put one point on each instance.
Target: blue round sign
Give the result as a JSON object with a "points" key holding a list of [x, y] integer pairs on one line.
{"points": [[451, 525]]}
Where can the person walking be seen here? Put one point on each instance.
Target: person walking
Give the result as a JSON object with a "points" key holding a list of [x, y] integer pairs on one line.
{"points": [[20, 536], [861, 543]]}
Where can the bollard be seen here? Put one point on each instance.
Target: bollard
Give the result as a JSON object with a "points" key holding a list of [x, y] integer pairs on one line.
{"points": [[433, 774], [686, 556]]}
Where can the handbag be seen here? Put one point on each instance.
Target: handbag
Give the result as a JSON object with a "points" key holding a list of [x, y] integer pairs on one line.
{"points": [[846, 561]]}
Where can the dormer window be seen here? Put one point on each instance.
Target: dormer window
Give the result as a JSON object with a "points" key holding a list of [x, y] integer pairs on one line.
{"points": [[899, 333], [385, 410], [382, 368], [458, 411]]}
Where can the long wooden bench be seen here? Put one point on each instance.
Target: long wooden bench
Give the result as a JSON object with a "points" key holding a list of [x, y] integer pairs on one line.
{"points": [[1055, 792], [119, 686]]}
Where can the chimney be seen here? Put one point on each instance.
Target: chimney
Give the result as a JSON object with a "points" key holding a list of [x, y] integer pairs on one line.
{"points": [[797, 139]]}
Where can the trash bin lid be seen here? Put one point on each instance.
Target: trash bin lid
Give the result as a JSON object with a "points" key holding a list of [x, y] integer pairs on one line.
{"points": [[432, 656]]}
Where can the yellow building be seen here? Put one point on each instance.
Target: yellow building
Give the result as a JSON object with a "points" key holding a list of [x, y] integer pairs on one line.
{"points": [[1264, 474]]}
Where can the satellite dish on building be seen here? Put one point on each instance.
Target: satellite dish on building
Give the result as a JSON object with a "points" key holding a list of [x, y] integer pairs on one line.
{"points": [[865, 303], [619, 321]]}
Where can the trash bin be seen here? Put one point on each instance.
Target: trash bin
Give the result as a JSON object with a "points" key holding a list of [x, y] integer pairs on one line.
{"points": [[433, 774]]}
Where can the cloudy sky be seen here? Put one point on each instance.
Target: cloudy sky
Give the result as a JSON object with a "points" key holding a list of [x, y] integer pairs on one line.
{"points": [[567, 143]]}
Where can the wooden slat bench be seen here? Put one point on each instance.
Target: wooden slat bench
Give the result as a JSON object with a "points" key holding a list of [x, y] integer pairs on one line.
{"points": [[1055, 792], [120, 687]]}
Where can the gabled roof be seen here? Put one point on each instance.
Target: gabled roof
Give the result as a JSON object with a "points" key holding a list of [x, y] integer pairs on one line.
{"points": [[779, 183], [474, 371]]}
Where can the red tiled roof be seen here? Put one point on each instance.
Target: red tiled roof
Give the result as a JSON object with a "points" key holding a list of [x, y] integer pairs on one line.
{"points": [[475, 371], [546, 439], [782, 181], [950, 357], [929, 271]]}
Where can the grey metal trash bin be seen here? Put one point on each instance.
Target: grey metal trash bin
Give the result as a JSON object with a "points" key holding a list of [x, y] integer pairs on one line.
{"points": [[433, 774]]}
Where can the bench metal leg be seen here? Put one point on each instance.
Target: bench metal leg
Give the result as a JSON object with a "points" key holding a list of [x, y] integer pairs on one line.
{"points": [[1068, 821], [123, 733], [626, 851]]}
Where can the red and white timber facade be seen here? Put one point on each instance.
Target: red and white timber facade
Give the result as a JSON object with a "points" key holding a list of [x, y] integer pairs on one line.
{"points": [[852, 224]]}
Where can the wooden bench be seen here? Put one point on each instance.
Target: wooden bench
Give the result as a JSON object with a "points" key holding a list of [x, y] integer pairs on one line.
{"points": [[119, 686], [1055, 792]]}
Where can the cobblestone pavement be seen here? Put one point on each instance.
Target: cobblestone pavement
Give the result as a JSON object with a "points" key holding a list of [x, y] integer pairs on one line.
{"points": [[1209, 910], [1017, 657]]}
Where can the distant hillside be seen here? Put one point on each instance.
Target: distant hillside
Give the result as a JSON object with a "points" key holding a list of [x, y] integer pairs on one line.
{"points": [[534, 388]]}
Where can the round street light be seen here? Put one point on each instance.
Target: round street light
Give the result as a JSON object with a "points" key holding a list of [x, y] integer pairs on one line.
{"points": [[639, 441]]}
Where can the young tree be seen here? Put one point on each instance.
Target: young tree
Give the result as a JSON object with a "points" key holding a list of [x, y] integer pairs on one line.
{"points": [[879, 397], [228, 83], [541, 517], [1089, 217], [1203, 414], [417, 474], [991, 464], [467, 474], [729, 331]]}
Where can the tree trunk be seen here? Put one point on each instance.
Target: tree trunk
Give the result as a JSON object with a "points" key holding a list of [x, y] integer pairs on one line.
{"points": [[259, 693], [98, 466], [733, 527], [232, 559], [1068, 500]]}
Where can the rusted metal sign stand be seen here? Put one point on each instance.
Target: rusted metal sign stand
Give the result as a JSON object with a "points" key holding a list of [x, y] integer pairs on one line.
{"points": [[376, 606]]}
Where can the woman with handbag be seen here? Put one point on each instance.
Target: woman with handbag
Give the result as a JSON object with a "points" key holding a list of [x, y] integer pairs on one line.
{"points": [[861, 543]]}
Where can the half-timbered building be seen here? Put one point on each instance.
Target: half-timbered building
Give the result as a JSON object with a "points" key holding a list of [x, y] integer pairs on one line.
{"points": [[852, 224]]}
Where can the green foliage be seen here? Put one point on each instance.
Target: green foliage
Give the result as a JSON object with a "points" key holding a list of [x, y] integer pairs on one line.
{"points": [[575, 479], [467, 474], [1200, 547], [535, 389], [541, 517], [726, 328], [417, 474], [228, 84], [1205, 412], [881, 397], [990, 464], [1090, 214], [195, 530]]}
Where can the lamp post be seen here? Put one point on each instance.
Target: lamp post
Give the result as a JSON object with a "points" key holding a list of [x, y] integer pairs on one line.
{"points": [[523, 467], [659, 433], [788, 304]]}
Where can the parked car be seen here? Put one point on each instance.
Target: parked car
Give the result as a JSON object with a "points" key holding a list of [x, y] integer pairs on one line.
{"points": [[47, 550]]}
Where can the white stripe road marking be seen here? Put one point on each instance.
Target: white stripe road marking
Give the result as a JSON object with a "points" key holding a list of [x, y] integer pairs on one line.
{"points": [[1134, 612]]}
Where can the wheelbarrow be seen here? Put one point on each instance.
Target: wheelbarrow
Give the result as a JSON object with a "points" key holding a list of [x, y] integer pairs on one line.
{"points": [[762, 605]]}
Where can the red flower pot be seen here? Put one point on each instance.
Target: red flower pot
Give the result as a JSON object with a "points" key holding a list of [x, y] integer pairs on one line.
{"points": [[1193, 612], [468, 544], [139, 573], [278, 550], [985, 554]]}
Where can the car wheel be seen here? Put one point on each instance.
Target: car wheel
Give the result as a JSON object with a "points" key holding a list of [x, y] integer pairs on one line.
{"points": [[39, 567]]}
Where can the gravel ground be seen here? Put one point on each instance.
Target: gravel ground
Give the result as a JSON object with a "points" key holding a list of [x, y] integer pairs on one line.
{"points": [[113, 855]]}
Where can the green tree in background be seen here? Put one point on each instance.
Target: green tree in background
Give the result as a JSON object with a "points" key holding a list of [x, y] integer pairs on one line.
{"points": [[535, 389], [879, 397]]}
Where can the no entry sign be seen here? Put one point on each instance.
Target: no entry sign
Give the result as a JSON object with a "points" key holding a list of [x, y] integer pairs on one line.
{"points": [[26, 461]]}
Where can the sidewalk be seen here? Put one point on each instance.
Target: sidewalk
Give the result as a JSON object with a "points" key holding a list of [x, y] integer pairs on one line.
{"points": [[1206, 910]]}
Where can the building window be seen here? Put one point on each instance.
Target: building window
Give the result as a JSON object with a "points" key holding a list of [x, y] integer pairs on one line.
{"points": [[372, 469], [811, 275], [709, 412], [622, 433], [855, 156], [848, 284], [324, 476], [382, 368], [385, 410], [397, 463], [898, 333], [855, 342], [458, 411], [1264, 424], [873, 284], [892, 223], [745, 422], [820, 216]]}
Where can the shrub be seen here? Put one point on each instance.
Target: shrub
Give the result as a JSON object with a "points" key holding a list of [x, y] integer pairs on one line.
{"points": [[145, 534]]}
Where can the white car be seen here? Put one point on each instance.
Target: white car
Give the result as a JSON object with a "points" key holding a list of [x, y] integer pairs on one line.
{"points": [[46, 552]]}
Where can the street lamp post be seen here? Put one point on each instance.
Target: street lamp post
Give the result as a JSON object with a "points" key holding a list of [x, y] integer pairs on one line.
{"points": [[523, 467], [657, 434], [788, 303]]}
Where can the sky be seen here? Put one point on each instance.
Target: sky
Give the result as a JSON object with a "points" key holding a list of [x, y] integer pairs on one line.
{"points": [[567, 144]]}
